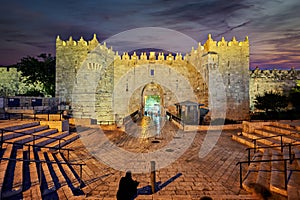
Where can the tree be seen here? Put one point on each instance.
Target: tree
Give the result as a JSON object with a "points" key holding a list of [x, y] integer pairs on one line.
{"points": [[271, 102], [40, 70], [295, 96]]}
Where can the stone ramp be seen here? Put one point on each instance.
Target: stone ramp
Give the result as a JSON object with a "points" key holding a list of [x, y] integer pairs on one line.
{"points": [[277, 165]]}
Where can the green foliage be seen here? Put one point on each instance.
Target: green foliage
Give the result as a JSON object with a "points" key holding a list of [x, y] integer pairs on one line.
{"points": [[152, 100], [32, 92], [9, 81], [271, 101], [40, 70], [294, 96]]}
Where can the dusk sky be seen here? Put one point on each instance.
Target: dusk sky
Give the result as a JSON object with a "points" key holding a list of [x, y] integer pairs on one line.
{"points": [[29, 28]]}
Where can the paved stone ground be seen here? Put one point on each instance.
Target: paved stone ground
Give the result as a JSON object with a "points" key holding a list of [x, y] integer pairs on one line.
{"points": [[189, 177]]}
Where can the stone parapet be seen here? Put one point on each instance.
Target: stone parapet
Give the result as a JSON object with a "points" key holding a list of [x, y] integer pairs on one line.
{"points": [[59, 125]]}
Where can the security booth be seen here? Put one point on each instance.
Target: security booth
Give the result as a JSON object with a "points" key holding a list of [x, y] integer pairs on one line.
{"points": [[189, 112]]}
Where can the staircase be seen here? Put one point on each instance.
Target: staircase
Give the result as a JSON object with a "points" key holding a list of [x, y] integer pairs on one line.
{"points": [[34, 163], [273, 157]]}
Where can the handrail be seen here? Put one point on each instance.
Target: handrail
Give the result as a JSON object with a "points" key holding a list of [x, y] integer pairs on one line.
{"points": [[48, 162], [40, 136], [177, 119], [132, 117], [255, 141], [39, 146], [270, 160], [266, 137], [8, 114], [266, 147], [42, 161], [290, 159]]}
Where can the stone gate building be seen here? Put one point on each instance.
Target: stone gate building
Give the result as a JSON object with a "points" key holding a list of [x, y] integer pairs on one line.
{"points": [[101, 84]]}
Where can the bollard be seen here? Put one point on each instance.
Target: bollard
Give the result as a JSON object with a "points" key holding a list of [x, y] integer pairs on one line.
{"points": [[152, 176]]}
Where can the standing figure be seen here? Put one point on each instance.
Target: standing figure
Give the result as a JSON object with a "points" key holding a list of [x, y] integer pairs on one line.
{"points": [[127, 187]]}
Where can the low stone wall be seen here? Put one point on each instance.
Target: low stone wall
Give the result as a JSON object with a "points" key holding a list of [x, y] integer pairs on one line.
{"points": [[59, 125], [219, 127], [249, 127], [19, 111], [82, 121]]}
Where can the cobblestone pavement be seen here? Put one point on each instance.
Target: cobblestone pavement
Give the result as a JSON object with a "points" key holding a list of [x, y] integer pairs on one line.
{"points": [[188, 177]]}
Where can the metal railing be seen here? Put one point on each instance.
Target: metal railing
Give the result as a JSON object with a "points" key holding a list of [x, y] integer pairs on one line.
{"points": [[175, 118], [34, 136], [258, 161], [291, 158], [43, 161], [48, 162], [35, 117], [289, 145], [262, 138], [132, 117], [38, 146]]}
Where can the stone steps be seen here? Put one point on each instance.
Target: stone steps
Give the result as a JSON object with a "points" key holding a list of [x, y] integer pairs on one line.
{"points": [[63, 189], [282, 129], [252, 172], [277, 180], [297, 154], [271, 174], [28, 130], [28, 138], [15, 125], [73, 178], [293, 188], [244, 139], [53, 137], [264, 174], [89, 172], [34, 192], [276, 136], [53, 181], [46, 178], [69, 138], [3, 166], [18, 175]]}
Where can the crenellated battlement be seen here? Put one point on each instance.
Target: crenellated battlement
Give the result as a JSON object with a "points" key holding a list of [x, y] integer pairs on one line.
{"points": [[209, 45], [151, 56], [80, 44], [290, 74]]}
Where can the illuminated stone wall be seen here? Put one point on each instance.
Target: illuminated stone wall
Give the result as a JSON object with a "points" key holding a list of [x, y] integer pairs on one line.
{"points": [[262, 81], [101, 84]]}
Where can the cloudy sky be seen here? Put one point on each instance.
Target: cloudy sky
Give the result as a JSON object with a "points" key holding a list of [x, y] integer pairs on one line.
{"points": [[29, 28]]}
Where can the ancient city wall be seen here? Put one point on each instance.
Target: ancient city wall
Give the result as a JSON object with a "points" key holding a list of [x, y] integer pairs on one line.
{"points": [[126, 75], [262, 81]]}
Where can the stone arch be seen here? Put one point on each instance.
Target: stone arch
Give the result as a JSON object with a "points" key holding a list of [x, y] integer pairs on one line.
{"points": [[152, 89], [175, 86]]}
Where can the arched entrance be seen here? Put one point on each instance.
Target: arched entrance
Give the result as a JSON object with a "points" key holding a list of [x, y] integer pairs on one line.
{"points": [[152, 99]]}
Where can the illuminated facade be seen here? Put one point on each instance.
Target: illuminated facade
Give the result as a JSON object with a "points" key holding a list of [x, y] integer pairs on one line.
{"points": [[98, 83]]}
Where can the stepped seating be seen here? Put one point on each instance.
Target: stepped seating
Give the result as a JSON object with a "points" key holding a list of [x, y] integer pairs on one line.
{"points": [[40, 172], [274, 152]]}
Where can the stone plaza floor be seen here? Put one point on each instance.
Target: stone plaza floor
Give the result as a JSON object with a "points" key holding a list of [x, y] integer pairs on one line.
{"points": [[188, 177]]}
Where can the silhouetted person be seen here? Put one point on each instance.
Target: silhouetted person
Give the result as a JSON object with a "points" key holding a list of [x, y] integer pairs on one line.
{"points": [[127, 188], [260, 191]]}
